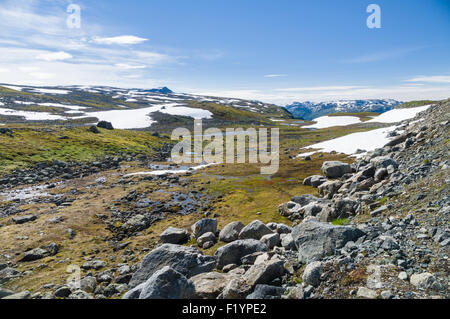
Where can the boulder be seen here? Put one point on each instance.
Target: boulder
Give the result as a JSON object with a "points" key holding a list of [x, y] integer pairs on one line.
{"points": [[5, 293], [105, 125], [290, 210], [380, 174], [19, 295], [233, 252], [366, 293], [255, 230], [167, 283], [231, 232], [23, 219], [88, 284], [264, 272], [209, 285], [383, 162], [237, 288], [266, 292], [206, 238], [328, 189], [271, 240], [335, 169], [205, 225], [94, 264], [34, 254], [174, 236], [424, 280], [314, 180], [288, 242], [311, 275], [303, 200], [315, 240], [185, 260], [136, 223]]}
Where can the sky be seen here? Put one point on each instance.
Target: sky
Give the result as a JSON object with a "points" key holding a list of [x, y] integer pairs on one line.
{"points": [[276, 51]]}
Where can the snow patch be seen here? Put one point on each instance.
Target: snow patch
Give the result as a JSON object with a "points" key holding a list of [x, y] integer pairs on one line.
{"points": [[398, 115], [169, 171], [32, 116], [349, 144], [330, 121]]}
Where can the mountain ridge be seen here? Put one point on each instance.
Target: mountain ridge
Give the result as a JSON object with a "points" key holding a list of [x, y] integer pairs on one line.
{"points": [[311, 110]]}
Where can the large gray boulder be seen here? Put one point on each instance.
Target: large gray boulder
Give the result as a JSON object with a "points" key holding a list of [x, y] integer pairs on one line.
{"points": [[231, 232], [186, 260], [23, 219], [233, 252], [290, 210], [311, 275], [209, 285], [315, 240], [255, 230], [266, 292], [314, 180], [304, 200], [271, 240], [167, 283], [335, 169], [205, 225], [383, 162], [34, 254], [5, 292], [174, 235], [264, 272], [328, 189]]}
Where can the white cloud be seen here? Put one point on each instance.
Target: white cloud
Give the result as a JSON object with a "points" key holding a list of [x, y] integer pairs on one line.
{"points": [[431, 79], [275, 75], [121, 40], [318, 88], [129, 66], [285, 96], [54, 56], [42, 75]]}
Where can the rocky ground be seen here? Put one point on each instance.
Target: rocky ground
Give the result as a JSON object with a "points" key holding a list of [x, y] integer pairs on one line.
{"points": [[379, 228]]}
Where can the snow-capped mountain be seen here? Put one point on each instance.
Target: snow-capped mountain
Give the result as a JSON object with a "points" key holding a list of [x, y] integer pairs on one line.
{"points": [[126, 108], [312, 110]]}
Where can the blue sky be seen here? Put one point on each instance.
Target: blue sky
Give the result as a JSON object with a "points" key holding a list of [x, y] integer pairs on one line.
{"points": [[276, 51]]}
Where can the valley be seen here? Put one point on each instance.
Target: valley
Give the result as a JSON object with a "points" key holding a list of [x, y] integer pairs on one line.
{"points": [[74, 193]]}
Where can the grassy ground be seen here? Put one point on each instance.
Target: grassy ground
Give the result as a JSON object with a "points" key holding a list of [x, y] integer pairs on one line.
{"points": [[363, 116], [416, 104], [244, 194], [32, 144]]}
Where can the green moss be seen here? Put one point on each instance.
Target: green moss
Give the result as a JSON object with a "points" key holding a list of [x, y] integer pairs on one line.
{"points": [[340, 221]]}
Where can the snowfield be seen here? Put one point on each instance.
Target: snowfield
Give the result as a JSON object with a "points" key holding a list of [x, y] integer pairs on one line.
{"points": [[366, 141], [31, 116], [398, 115], [349, 144], [330, 121], [139, 118], [51, 91]]}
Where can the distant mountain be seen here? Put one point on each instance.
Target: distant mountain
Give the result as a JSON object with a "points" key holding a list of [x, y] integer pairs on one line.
{"points": [[132, 108], [163, 90], [312, 110]]}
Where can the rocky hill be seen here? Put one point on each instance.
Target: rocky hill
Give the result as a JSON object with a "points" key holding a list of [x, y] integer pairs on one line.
{"points": [[312, 110]]}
